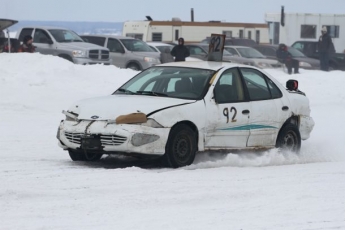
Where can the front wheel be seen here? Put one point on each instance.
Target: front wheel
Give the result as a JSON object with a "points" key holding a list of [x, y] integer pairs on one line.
{"points": [[133, 66], [181, 147], [289, 138]]}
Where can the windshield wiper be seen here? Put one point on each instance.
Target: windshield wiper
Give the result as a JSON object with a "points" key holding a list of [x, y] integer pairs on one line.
{"points": [[126, 91], [152, 93]]}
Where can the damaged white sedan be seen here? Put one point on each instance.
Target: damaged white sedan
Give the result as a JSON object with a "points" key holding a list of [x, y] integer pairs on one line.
{"points": [[177, 109]]}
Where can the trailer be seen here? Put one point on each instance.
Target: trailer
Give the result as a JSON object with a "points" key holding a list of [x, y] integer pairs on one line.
{"points": [[290, 27], [191, 31]]}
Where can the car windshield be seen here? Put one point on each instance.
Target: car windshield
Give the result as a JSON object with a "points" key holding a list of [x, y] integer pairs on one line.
{"points": [[136, 45], [225, 52], [295, 53], [171, 82], [250, 53], [65, 36]]}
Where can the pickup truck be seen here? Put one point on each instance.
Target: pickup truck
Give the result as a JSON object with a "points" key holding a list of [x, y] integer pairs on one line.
{"points": [[7, 44], [66, 44], [310, 49]]}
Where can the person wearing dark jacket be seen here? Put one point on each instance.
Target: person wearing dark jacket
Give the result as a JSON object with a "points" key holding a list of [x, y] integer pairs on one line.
{"points": [[27, 46], [180, 51], [284, 56], [325, 47]]}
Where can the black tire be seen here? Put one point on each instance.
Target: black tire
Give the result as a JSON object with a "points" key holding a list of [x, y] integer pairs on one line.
{"points": [[84, 156], [133, 66], [289, 138], [76, 155], [181, 147]]}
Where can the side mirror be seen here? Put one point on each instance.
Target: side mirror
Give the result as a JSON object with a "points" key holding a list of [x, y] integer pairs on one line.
{"points": [[292, 85]]}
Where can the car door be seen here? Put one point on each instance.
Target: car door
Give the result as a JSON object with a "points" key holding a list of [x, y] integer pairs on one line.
{"points": [[117, 52], [266, 108], [227, 113], [43, 42]]}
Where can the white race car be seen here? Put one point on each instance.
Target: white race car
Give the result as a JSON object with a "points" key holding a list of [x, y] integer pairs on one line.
{"points": [[177, 109]]}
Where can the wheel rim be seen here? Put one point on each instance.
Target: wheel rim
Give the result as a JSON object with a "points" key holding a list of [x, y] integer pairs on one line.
{"points": [[182, 148], [290, 141]]}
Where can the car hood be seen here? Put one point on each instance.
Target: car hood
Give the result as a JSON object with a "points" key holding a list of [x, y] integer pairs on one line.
{"points": [[264, 60], [5, 23], [111, 106], [81, 46]]}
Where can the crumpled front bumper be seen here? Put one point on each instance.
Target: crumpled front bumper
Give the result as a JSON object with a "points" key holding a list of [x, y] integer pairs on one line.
{"points": [[123, 138], [306, 126]]}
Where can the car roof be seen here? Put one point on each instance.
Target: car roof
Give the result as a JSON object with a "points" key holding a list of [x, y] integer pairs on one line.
{"points": [[106, 36], [212, 65], [46, 27], [5, 23]]}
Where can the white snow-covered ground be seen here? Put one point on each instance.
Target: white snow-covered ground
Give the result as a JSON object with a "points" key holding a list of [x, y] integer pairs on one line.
{"points": [[41, 188]]}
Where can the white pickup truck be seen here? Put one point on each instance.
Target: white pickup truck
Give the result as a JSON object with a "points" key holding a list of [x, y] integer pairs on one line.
{"points": [[66, 44]]}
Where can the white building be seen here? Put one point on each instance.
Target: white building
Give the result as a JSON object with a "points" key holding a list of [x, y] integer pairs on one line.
{"points": [[306, 27], [170, 31]]}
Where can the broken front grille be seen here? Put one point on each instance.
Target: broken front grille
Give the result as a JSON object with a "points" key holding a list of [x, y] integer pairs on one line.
{"points": [[112, 140], [99, 54], [106, 140]]}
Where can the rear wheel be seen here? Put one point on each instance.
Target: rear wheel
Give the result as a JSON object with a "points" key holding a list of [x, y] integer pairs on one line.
{"points": [[181, 147], [289, 138]]}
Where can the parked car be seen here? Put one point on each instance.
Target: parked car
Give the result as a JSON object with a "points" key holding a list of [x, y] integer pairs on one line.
{"points": [[126, 52], [160, 48], [310, 49], [258, 58], [304, 61], [234, 41], [201, 51], [177, 109], [7, 44], [66, 44]]}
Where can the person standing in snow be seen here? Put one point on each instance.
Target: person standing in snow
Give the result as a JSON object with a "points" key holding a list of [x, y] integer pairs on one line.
{"points": [[325, 47], [284, 56], [27, 46], [180, 51]]}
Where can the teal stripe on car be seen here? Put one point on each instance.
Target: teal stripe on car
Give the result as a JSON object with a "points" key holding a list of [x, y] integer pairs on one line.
{"points": [[249, 127]]}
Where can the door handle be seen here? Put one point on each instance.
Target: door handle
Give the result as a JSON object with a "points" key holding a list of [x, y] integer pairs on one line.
{"points": [[245, 112], [285, 108]]}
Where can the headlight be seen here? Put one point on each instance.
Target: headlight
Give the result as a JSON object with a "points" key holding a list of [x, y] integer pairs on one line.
{"points": [[263, 65], [153, 60], [304, 64], [79, 53]]}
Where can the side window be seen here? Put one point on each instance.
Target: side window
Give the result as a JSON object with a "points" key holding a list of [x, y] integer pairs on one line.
{"points": [[275, 91], [229, 87], [232, 50], [41, 36], [196, 50], [95, 40], [270, 52], [298, 46], [256, 84], [24, 33], [114, 46]]}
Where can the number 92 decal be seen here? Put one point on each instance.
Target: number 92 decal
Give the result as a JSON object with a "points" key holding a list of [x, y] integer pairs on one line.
{"points": [[227, 115]]}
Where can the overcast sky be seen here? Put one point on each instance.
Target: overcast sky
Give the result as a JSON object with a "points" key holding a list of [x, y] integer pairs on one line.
{"points": [[122, 10]]}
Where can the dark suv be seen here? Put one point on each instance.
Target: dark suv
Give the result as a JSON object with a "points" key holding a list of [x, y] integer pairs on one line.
{"points": [[310, 49]]}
